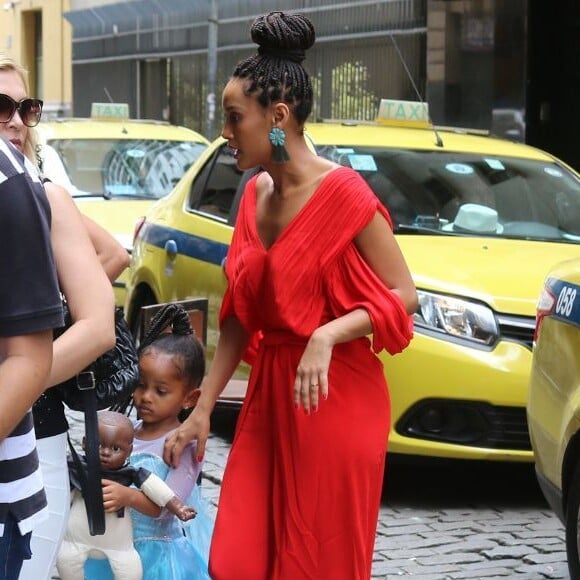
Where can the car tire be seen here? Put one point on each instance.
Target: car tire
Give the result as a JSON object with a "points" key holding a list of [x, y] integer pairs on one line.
{"points": [[573, 525], [145, 298]]}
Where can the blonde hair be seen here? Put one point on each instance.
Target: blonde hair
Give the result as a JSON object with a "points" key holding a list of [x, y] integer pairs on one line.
{"points": [[29, 145]]}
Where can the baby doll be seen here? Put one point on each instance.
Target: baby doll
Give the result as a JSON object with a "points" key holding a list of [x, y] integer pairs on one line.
{"points": [[116, 443]]}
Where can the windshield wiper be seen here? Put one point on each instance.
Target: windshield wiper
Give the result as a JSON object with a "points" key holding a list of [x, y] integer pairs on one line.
{"points": [[415, 229]]}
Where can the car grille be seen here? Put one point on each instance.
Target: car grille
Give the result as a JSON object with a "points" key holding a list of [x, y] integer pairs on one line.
{"points": [[508, 428], [472, 423], [517, 328]]}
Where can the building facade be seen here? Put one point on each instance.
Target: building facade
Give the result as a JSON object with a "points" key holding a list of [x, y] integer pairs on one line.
{"points": [[35, 34]]}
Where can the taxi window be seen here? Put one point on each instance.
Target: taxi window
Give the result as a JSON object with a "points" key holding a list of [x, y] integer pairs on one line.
{"points": [[213, 191], [423, 190], [125, 168]]}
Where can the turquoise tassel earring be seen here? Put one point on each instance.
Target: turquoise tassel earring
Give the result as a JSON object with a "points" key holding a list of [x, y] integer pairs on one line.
{"points": [[278, 139]]}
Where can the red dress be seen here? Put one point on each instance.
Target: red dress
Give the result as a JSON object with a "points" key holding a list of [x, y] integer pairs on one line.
{"points": [[301, 493]]}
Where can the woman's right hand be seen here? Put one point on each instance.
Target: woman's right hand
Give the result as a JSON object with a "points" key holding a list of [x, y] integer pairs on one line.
{"points": [[231, 344], [195, 427]]}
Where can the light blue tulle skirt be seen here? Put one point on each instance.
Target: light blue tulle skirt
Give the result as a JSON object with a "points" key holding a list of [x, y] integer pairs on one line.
{"points": [[169, 549]]}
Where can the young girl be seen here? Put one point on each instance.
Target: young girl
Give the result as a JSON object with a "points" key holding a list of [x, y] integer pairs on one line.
{"points": [[172, 365]]}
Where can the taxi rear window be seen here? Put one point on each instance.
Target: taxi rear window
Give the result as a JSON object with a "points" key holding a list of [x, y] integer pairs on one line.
{"points": [[423, 190], [125, 168]]}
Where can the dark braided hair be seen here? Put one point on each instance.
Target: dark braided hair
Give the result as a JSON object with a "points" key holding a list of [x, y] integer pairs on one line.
{"points": [[276, 73], [181, 342]]}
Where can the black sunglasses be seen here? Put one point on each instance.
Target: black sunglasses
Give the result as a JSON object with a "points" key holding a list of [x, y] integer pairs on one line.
{"points": [[29, 110]]}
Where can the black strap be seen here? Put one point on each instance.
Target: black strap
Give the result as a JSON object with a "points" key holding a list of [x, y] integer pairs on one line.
{"points": [[90, 481]]}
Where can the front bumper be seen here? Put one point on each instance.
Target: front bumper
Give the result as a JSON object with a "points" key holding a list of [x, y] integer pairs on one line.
{"points": [[450, 400]]}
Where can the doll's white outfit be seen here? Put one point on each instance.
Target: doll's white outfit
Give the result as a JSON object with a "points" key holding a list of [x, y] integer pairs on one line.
{"points": [[116, 544]]}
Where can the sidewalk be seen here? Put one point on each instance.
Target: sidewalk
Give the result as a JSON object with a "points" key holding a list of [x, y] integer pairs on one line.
{"points": [[216, 455]]}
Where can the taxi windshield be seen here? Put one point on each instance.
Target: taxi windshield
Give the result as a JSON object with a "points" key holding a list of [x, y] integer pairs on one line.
{"points": [[468, 193], [125, 168]]}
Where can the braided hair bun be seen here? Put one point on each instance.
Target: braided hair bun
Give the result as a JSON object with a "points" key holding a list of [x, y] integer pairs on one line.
{"points": [[285, 36], [275, 73]]}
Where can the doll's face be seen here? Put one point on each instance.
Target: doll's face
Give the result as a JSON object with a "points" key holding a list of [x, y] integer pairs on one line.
{"points": [[116, 445]]}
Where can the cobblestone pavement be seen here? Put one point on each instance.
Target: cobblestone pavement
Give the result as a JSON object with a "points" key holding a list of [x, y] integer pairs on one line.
{"points": [[443, 520]]}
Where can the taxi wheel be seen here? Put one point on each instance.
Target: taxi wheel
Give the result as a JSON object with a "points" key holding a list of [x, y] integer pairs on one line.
{"points": [[145, 299], [573, 526]]}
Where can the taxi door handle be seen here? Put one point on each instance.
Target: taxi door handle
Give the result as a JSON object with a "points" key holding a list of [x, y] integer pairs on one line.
{"points": [[171, 248]]}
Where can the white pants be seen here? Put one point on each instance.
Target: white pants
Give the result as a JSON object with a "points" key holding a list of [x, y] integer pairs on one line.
{"points": [[116, 545], [47, 537]]}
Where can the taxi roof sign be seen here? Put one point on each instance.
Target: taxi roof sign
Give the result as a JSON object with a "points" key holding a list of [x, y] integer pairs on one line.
{"points": [[110, 111], [403, 113]]}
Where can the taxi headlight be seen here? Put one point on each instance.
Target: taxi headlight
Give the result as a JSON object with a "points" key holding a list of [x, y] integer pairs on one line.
{"points": [[457, 318]]}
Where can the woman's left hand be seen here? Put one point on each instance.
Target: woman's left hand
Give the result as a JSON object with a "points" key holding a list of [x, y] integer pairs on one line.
{"points": [[312, 373]]}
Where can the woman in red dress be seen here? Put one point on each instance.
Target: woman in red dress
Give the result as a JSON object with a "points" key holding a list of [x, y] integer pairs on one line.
{"points": [[313, 269]]}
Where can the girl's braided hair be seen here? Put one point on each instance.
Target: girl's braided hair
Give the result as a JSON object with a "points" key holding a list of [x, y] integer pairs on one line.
{"points": [[180, 342], [276, 73]]}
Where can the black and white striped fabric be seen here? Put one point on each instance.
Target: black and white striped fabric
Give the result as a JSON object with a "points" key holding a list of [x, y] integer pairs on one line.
{"points": [[21, 486], [29, 302], [14, 162]]}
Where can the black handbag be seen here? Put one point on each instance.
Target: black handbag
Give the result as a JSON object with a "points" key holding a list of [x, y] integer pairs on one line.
{"points": [[113, 375], [106, 382]]}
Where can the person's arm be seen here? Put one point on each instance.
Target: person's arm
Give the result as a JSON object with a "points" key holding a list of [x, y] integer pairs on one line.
{"points": [[380, 250], [179, 509], [183, 479], [153, 495], [159, 492], [117, 496], [378, 247], [25, 364], [231, 344], [113, 257], [312, 372], [87, 289], [29, 300]]}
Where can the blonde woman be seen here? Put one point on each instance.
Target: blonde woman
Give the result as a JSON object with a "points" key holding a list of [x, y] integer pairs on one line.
{"points": [[89, 294]]}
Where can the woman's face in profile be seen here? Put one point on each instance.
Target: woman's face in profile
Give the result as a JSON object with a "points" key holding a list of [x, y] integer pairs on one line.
{"points": [[246, 126], [14, 130]]}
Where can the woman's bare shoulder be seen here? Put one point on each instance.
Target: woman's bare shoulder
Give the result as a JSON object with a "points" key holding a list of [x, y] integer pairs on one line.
{"points": [[58, 195], [264, 182]]}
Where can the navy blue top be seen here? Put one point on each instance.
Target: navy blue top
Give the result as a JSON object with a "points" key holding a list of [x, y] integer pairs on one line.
{"points": [[29, 303]]}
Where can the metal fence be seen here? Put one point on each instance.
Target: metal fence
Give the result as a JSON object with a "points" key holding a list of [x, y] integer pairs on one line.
{"points": [[155, 55]]}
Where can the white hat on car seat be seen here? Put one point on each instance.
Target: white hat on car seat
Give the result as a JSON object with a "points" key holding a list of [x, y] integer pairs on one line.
{"points": [[475, 218]]}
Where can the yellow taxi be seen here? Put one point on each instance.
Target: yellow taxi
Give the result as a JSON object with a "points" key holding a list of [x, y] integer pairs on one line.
{"points": [[554, 400], [116, 167], [479, 220]]}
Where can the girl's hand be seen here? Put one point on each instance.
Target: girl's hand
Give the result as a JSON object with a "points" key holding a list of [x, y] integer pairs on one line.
{"points": [[195, 427], [312, 373], [115, 496]]}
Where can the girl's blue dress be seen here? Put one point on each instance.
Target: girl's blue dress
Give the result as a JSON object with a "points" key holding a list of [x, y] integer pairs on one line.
{"points": [[169, 548]]}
